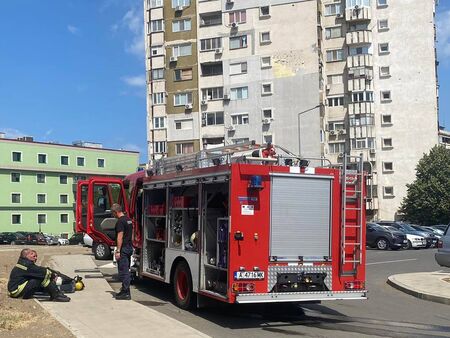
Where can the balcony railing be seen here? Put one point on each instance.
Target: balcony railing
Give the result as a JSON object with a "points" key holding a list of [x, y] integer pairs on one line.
{"points": [[358, 37], [358, 14], [362, 60]]}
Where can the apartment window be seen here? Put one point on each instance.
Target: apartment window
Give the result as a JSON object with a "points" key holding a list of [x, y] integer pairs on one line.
{"points": [[336, 101], [385, 71], [267, 113], [386, 96], [184, 124], [388, 191], [238, 68], [267, 138], [387, 142], [160, 147], [239, 119], [80, 161], [335, 55], [156, 26], [238, 17], [158, 122], [64, 218], [185, 148], [361, 120], [210, 44], [382, 2], [363, 143], [16, 219], [335, 79], [42, 218], [333, 9], [16, 156], [41, 198], [182, 50], [100, 162], [212, 68], [42, 158], [215, 93], [155, 3], [383, 48], [363, 50], [183, 74], [181, 25], [15, 177], [64, 160], [240, 140], [264, 37], [158, 98], [336, 125], [383, 25], [40, 178], [266, 62], [63, 179], [15, 197], [210, 19], [266, 89], [333, 32], [78, 178], [182, 99], [239, 93], [264, 11], [63, 199], [158, 74], [359, 3], [180, 3], [386, 119], [213, 118], [388, 166], [237, 42], [358, 27], [336, 148], [156, 50], [362, 97]]}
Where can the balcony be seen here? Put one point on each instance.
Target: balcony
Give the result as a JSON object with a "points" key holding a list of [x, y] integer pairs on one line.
{"points": [[360, 84], [358, 14], [362, 60], [358, 37], [361, 108]]}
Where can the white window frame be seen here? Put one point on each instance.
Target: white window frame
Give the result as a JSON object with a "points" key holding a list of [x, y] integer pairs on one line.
{"points": [[188, 98], [60, 160], [155, 26], [104, 162], [45, 178], [205, 117], [156, 98], [216, 93], [178, 50], [263, 110], [237, 16], [240, 119], [15, 172], [20, 219], [384, 74], [363, 96], [67, 179], [382, 3], [235, 91], [243, 41], [336, 54], [159, 122], [264, 93], [242, 65], [84, 161], [384, 27], [386, 165], [265, 64], [20, 198], [384, 140], [333, 9], [384, 123], [263, 41], [179, 147], [330, 32], [383, 99], [67, 198], [182, 25], [16, 152], [380, 48], [160, 72], [37, 218], [41, 194], [60, 216], [214, 43], [46, 158], [333, 145], [159, 147], [385, 192], [264, 15], [155, 3], [340, 99]]}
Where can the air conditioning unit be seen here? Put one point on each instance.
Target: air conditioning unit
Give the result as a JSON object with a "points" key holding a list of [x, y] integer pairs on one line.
{"points": [[226, 96], [266, 121], [204, 102], [234, 25], [179, 8], [338, 15], [372, 151], [218, 51], [188, 106], [173, 59], [332, 132], [232, 128]]}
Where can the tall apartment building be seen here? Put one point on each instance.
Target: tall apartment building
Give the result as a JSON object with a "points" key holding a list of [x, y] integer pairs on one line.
{"points": [[321, 77], [38, 181]]}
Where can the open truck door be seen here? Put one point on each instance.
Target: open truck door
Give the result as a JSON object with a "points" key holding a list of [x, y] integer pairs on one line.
{"points": [[81, 207], [101, 194]]}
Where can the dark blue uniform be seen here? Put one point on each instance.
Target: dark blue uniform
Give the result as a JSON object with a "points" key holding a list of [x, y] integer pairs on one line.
{"points": [[125, 225]]}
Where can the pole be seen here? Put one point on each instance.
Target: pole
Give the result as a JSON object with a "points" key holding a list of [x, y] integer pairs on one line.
{"points": [[298, 120]]}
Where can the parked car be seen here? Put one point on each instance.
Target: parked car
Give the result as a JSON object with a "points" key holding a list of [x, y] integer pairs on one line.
{"points": [[442, 227], [88, 241], [413, 241], [433, 236], [12, 238], [408, 229], [383, 239], [62, 241], [442, 257], [436, 231], [76, 239], [51, 240], [36, 239]]}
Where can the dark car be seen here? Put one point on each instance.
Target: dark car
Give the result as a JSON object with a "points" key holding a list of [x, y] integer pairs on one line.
{"points": [[12, 238], [408, 229], [383, 239], [36, 239], [76, 239]]}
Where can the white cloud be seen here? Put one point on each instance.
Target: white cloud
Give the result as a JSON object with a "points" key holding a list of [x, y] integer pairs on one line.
{"points": [[134, 81], [72, 29], [134, 22], [443, 34], [12, 133]]}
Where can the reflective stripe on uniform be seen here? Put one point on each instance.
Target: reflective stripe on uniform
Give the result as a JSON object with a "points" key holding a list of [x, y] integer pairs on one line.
{"points": [[19, 289], [46, 280], [20, 266]]}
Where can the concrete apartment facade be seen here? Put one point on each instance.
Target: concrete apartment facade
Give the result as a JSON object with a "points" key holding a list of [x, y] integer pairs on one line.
{"points": [[319, 77], [38, 181]]}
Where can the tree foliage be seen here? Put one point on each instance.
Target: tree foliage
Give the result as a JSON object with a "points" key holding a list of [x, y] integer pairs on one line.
{"points": [[428, 199]]}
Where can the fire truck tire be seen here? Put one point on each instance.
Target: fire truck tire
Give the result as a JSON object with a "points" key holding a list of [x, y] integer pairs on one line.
{"points": [[182, 286], [102, 251]]}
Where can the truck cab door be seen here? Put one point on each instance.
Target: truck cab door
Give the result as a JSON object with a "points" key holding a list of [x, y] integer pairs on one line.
{"points": [[81, 206], [102, 194]]}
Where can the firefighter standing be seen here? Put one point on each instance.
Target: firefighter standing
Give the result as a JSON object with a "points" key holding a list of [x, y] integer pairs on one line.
{"points": [[26, 278], [124, 229]]}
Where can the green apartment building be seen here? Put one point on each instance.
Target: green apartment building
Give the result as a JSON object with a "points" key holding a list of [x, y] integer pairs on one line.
{"points": [[38, 181]]}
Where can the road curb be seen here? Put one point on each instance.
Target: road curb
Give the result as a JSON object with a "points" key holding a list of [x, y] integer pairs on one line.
{"points": [[421, 295]]}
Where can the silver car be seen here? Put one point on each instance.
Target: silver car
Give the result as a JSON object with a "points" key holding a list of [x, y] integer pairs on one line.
{"points": [[443, 255]]}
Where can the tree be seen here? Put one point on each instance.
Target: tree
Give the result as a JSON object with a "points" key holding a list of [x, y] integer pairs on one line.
{"points": [[428, 199]]}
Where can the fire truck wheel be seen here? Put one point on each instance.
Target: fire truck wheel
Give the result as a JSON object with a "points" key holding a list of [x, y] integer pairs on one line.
{"points": [[102, 251], [182, 286]]}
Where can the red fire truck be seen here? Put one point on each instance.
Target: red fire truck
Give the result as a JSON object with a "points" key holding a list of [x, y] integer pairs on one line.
{"points": [[231, 225]]}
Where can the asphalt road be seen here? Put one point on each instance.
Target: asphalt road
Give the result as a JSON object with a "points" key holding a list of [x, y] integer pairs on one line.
{"points": [[387, 313]]}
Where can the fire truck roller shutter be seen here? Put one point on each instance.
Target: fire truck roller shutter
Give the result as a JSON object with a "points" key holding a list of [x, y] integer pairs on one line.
{"points": [[300, 217]]}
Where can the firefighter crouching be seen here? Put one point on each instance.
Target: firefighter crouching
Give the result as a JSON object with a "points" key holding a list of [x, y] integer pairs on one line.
{"points": [[26, 278]]}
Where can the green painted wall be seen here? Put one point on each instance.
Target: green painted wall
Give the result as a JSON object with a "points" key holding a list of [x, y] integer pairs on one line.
{"points": [[117, 163]]}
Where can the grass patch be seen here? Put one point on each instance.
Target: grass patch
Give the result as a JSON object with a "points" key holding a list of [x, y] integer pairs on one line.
{"points": [[12, 319]]}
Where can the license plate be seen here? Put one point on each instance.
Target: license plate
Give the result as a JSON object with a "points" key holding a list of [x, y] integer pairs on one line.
{"points": [[242, 275]]}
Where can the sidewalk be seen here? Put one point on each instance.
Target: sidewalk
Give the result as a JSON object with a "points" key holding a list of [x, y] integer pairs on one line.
{"points": [[94, 312], [432, 286]]}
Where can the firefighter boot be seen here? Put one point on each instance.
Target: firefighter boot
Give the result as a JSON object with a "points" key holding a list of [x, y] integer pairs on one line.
{"points": [[55, 294], [123, 295]]}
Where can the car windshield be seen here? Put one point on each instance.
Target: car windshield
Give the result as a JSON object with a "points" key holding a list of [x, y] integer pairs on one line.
{"points": [[376, 227], [408, 227], [391, 228]]}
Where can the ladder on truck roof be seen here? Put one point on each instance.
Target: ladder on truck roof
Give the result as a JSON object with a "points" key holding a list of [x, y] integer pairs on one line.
{"points": [[203, 159], [352, 215]]}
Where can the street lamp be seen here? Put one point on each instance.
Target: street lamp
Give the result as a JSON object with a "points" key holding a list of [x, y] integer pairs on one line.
{"points": [[298, 118]]}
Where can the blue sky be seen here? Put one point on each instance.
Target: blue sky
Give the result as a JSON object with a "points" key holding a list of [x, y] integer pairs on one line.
{"points": [[74, 69]]}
